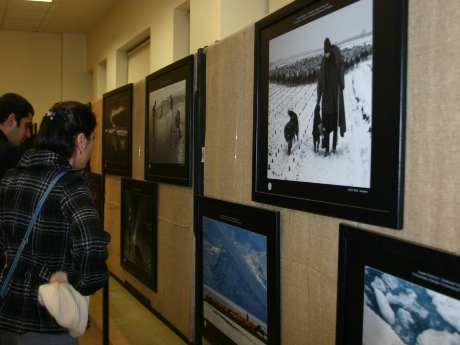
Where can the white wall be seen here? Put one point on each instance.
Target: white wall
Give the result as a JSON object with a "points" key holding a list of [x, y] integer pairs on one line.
{"points": [[181, 31], [277, 4], [236, 14], [204, 23], [139, 63], [209, 20], [44, 68], [76, 80], [125, 23]]}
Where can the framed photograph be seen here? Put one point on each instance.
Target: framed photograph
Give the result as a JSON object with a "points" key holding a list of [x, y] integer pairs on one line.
{"points": [[139, 210], [168, 123], [238, 275], [117, 127], [393, 292], [329, 109], [96, 184]]}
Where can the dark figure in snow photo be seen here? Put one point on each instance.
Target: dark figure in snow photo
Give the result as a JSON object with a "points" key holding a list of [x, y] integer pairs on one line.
{"points": [[177, 123], [317, 128], [330, 93], [291, 130]]}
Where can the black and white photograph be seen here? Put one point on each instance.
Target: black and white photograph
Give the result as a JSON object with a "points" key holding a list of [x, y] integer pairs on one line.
{"points": [[394, 292], [320, 100], [329, 109], [117, 120], [167, 125], [96, 187], [168, 120], [397, 311], [238, 274], [139, 230]]}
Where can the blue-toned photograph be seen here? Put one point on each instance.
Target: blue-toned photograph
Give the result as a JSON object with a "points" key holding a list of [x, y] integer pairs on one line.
{"points": [[235, 282], [397, 311]]}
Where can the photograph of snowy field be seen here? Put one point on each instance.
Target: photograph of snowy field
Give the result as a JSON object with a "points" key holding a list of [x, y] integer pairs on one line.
{"points": [[235, 282], [397, 311], [295, 70], [167, 124]]}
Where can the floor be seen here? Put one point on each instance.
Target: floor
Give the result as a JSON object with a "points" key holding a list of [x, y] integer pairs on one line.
{"points": [[130, 323]]}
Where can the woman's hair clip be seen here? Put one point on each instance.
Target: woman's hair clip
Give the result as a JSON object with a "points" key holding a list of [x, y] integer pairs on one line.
{"points": [[50, 114]]}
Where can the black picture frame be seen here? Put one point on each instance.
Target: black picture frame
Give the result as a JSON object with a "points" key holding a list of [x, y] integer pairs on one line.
{"points": [[390, 289], [139, 211], [255, 235], [169, 107], [96, 184], [117, 109], [364, 179]]}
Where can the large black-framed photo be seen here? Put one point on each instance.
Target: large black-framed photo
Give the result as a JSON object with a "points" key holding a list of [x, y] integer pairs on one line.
{"points": [[139, 210], [238, 275], [168, 123], [395, 292], [96, 184], [329, 109], [117, 109]]}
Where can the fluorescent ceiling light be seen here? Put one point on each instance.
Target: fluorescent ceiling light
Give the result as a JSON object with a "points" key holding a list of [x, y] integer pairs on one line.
{"points": [[41, 0]]}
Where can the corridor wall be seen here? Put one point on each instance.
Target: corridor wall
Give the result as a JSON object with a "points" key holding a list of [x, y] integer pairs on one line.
{"points": [[309, 242]]}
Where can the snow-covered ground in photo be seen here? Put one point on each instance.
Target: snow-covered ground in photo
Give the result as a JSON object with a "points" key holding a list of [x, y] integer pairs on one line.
{"points": [[166, 140], [397, 311], [351, 164]]}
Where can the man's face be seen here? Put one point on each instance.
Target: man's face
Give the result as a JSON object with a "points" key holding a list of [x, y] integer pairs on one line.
{"points": [[21, 132]]}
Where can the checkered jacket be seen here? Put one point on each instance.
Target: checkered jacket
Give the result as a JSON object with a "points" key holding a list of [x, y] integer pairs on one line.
{"points": [[67, 236]]}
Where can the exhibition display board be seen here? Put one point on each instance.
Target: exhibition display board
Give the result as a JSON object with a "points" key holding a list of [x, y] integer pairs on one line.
{"points": [[309, 243]]}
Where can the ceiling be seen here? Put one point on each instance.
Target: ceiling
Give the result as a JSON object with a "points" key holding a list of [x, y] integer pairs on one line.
{"points": [[74, 16]]}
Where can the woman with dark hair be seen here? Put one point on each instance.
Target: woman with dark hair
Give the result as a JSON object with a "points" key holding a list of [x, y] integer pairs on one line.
{"points": [[67, 236]]}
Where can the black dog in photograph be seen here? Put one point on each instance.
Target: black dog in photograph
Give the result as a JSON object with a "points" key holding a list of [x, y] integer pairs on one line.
{"points": [[317, 128], [291, 130]]}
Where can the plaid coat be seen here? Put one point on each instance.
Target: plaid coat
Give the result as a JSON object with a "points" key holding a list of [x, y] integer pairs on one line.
{"points": [[68, 237]]}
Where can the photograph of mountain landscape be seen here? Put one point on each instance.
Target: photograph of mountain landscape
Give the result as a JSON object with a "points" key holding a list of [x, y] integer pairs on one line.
{"points": [[234, 283], [397, 311]]}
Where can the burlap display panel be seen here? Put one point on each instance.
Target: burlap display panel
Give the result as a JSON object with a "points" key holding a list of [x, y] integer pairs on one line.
{"points": [[309, 242], [175, 296], [138, 130]]}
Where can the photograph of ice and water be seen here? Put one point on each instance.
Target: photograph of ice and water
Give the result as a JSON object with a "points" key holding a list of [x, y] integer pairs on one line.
{"points": [[294, 63], [235, 282], [399, 312], [167, 124]]}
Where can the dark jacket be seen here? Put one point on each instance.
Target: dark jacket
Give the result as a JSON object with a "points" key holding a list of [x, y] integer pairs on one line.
{"points": [[9, 154], [331, 82], [68, 237]]}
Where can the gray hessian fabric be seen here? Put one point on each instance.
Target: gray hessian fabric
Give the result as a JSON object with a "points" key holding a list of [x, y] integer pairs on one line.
{"points": [[7, 338]]}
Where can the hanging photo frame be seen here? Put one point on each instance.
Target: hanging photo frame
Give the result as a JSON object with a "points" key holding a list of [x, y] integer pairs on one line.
{"points": [[395, 292], [168, 123], [117, 108], [238, 274], [139, 211], [329, 109]]}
